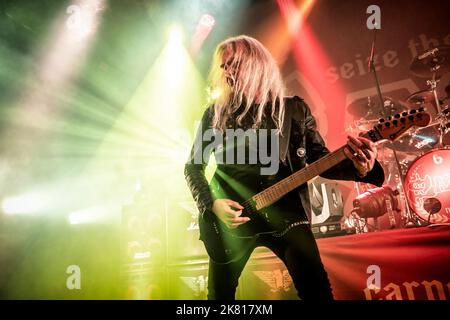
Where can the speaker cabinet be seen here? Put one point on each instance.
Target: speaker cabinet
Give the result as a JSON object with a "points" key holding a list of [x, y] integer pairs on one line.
{"points": [[326, 202], [183, 232]]}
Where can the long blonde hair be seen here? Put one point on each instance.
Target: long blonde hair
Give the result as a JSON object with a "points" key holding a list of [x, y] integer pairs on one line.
{"points": [[258, 81]]}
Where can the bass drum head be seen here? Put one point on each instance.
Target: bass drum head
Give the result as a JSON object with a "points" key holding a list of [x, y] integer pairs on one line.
{"points": [[427, 186]]}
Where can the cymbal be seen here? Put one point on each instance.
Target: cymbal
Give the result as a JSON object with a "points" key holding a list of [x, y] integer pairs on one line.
{"points": [[369, 108], [421, 97], [434, 61], [364, 125], [417, 141]]}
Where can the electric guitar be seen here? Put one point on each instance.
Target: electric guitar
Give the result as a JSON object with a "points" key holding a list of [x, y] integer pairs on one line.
{"points": [[225, 245]]}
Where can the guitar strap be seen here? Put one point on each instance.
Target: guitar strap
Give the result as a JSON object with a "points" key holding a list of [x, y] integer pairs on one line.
{"points": [[290, 109], [286, 130], [289, 117]]}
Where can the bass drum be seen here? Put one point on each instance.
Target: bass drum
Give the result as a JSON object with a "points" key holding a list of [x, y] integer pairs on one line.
{"points": [[427, 186]]}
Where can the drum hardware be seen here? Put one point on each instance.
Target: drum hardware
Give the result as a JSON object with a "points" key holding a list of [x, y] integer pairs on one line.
{"points": [[371, 110], [432, 63], [419, 143], [376, 202], [425, 139], [416, 144], [432, 206], [420, 98], [423, 60], [409, 218], [420, 140], [433, 84]]}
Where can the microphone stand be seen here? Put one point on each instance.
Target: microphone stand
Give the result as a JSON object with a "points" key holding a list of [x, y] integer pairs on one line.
{"points": [[410, 221], [371, 65]]}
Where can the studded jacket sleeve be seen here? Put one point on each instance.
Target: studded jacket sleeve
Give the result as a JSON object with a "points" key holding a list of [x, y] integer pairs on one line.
{"points": [[194, 171]]}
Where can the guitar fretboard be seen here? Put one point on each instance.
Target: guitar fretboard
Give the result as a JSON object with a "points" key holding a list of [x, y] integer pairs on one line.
{"points": [[278, 190]]}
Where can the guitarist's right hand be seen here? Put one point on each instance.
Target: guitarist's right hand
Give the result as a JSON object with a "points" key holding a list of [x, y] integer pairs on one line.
{"points": [[225, 210]]}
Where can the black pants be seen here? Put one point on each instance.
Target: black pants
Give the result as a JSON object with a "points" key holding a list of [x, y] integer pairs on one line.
{"points": [[297, 249]]}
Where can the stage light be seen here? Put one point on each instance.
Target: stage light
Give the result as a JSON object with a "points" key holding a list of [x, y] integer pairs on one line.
{"points": [[207, 20], [154, 128], [175, 35], [88, 215], [172, 59], [82, 20], [312, 62], [295, 14], [204, 27], [24, 204], [213, 94], [55, 63]]}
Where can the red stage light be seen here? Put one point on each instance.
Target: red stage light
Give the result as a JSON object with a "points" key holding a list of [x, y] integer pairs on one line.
{"points": [[313, 64], [207, 20], [204, 27]]}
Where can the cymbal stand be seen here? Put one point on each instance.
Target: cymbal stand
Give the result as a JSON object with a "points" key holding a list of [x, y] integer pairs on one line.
{"points": [[440, 117], [411, 221]]}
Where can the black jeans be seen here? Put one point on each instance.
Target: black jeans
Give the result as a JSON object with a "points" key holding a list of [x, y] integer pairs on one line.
{"points": [[297, 249]]}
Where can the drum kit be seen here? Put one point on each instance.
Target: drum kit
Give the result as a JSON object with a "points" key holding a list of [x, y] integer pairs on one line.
{"points": [[418, 164]]}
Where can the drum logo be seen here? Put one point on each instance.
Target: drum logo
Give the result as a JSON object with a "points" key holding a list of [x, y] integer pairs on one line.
{"points": [[429, 179]]}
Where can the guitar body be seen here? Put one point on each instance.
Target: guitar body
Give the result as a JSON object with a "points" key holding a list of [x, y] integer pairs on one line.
{"points": [[225, 245], [222, 246]]}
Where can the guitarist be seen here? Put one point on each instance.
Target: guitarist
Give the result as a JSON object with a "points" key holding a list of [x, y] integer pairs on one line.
{"points": [[252, 97]]}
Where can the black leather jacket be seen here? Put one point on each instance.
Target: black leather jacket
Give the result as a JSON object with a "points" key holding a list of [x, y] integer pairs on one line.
{"points": [[300, 144]]}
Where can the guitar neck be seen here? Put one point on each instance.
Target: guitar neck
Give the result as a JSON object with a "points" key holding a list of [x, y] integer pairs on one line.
{"points": [[275, 192], [391, 130]]}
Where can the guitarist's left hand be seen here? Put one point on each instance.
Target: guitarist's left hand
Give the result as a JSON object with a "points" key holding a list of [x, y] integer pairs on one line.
{"points": [[362, 152]]}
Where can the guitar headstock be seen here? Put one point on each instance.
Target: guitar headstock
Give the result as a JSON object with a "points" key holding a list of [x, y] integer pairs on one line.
{"points": [[395, 126]]}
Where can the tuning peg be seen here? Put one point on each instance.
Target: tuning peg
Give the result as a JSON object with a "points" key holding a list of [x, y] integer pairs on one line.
{"points": [[381, 120], [397, 116], [421, 109], [404, 114], [389, 118], [412, 111], [395, 122], [387, 124]]}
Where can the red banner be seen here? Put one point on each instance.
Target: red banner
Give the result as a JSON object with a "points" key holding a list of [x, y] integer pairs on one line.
{"points": [[407, 264]]}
